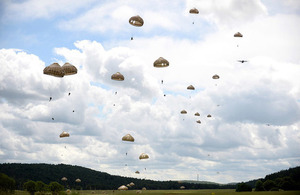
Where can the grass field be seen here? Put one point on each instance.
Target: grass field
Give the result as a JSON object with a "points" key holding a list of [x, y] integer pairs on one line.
{"points": [[172, 192]]}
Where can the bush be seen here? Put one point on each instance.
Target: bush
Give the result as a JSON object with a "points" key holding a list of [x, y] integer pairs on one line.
{"points": [[30, 186], [269, 184], [259, 186], [7, 184], [243, 187]]}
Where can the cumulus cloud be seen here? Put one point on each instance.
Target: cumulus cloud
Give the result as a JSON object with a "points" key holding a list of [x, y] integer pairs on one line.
{"points": [[34, 9]]}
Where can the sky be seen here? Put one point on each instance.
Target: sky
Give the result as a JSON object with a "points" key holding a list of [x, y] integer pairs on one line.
{"points": [[255, 106]]}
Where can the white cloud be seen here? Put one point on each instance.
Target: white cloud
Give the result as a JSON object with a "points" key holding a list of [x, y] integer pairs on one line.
{"points": [[35, 9], [230, 13]]}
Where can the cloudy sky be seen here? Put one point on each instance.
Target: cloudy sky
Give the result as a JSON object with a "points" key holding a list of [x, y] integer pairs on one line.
{"points": [[255, 106]]}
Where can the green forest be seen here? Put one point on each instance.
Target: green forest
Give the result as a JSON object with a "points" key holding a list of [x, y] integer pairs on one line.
{"points": [[96, 180]]}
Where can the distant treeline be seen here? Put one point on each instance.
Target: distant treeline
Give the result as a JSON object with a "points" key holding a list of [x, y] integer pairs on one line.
{"points": [[282, 180], [90, 179]]}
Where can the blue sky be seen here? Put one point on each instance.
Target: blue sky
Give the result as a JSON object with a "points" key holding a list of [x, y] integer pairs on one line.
{"points": [[255, 125]]}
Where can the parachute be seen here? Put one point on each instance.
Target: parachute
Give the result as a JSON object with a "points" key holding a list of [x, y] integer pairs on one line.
{"points": [[123, 187], [209, 116], [197, 114], [69, 69], [194, 11], [182, 187], [54, 70], [64, 134], [131, 184], [137, 172], [183, 112], [161, 63], [64, 179], [78, 180], [191, 87], [143, 156], [117, 77], [238, 34], [216, 76], [198, 121], [136, 21], [128, 138]]}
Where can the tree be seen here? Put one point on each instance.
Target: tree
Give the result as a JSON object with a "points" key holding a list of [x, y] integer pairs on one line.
{"points": [[55, 187], [285, 183], [259, 186], [30, 186], [7, 184], [243, 187], [269, 184], [41, 187]]}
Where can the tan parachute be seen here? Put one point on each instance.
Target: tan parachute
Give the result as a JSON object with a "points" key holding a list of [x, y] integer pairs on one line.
{"points": [[197, 114], [194, 11], [64, 134], [54, 70], [136, 21], [78, 180], [143, 156], [64, 179], [191, 87], [161, 63], [128, 138], [117, 77], [69, 69], [238, 34], [183, 112], [216, 76], [123, 187]]}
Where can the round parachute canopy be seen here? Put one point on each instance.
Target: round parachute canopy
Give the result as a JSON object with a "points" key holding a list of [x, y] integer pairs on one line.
{"points": [[144, 188], [194, 11], [143, 156], [137, 172], [238, 34], [191, 87], [216, 76], [131, 184], [117, 77], [128, 138], [64, 179], [161, 63], [136, 21], [197, 114], [198, 121], [128, 185], [78, 180], [54, 70], [209, 116], [69, 69], [64, 134], [182, 187], [122, 187], [183, 112]]}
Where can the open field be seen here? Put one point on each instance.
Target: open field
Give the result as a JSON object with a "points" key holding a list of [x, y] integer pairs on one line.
{"points": [[174, 192]]}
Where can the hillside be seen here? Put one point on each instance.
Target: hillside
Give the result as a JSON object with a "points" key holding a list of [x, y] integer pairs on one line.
{"points": [[90, 179], [294, 173]]}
